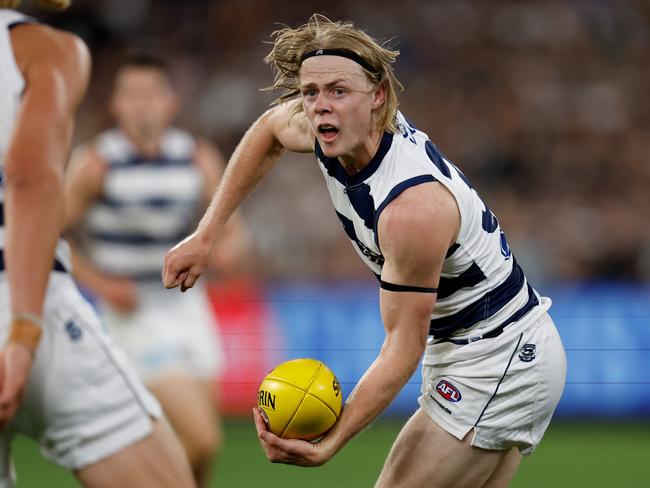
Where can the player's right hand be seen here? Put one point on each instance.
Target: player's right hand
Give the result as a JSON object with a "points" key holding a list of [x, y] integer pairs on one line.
{"points": [[15, 366], [185, 262]]}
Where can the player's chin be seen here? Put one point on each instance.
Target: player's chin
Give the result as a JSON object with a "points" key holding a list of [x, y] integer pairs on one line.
{"points": [[331, 146]]}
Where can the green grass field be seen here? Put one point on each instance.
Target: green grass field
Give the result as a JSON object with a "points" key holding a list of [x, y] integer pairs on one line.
{"points": [[572, 455]]}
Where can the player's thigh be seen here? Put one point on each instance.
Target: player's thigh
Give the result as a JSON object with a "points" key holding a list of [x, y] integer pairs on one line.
{"points": [[505, 471], [157, 461], [189, 405], [425, 455]]}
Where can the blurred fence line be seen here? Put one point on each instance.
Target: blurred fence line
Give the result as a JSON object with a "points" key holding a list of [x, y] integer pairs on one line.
{"points": [[605, 329]]}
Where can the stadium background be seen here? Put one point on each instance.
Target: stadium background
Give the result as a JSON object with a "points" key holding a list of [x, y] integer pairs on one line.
{"points": [[543, 104]]}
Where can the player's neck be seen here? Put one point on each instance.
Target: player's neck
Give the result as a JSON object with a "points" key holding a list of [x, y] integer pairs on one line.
{"points": [[361, 155]]}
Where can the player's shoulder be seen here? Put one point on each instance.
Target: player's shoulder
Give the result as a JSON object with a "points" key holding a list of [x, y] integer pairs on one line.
{"points": [[40, 42], [290, 126], [419, 203], [426, 209]]}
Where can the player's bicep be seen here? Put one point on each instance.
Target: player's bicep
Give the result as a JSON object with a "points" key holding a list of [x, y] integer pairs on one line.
{"points": [[415, 231], [44, 125], [56, 73]]}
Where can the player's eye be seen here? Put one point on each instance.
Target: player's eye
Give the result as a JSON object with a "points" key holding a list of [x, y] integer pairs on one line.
{"points": [[309, 93], [338, 91]]}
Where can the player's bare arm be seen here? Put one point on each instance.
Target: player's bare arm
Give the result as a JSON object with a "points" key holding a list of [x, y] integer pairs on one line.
{"points": [[56, 68], [258, 151], [82, 187], [415, 231]]}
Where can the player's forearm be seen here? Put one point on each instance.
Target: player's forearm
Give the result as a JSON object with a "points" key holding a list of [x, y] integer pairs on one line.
{"points": [[33, 218], [253, 158], [377, 389]]}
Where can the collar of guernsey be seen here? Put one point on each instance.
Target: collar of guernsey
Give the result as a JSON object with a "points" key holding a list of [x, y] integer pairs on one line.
{"points": [[335, 168]]}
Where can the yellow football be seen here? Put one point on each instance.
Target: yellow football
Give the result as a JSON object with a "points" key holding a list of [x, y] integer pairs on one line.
{"points": [[300, 399]]}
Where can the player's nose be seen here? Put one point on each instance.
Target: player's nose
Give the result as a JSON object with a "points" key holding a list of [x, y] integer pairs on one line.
{"points": [[322, 105]]}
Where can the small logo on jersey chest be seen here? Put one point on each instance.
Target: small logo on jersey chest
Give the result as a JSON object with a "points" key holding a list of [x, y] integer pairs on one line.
{"points": [[73, 330], [448, 391], [527, 353]]}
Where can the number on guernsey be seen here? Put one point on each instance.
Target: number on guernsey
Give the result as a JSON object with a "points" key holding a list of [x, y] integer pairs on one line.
{"points": [[489, 221]]}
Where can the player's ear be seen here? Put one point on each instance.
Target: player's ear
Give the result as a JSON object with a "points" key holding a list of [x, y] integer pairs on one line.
{"points": [[379, 96]]}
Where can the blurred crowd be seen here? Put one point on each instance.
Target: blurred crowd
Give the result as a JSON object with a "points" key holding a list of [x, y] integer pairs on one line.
{"points": [[543, 104]]}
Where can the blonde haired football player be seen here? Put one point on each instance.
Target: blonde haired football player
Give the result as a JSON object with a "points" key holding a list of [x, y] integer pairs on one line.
{"points": [[452, 293], [62, 382]]}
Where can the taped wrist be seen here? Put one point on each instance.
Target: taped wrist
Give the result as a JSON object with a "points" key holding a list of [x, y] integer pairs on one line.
{"points": [[26, 330]]}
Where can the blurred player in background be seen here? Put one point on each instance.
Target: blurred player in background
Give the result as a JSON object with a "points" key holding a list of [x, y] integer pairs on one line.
{"points": [[131, 193], [62, 383], [494, 366]]}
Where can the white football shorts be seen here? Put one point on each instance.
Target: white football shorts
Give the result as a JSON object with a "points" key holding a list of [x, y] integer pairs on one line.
{"points": [[170, 332], [82, 402], [506, 388]]}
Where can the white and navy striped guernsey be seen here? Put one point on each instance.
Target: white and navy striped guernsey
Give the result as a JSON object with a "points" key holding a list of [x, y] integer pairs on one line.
{"points": [[482, 288], [147, 204], [12, 84]]}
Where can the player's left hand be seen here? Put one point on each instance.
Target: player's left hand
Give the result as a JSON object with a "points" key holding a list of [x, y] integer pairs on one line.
{"points": [[15, 366], [290, 451]]}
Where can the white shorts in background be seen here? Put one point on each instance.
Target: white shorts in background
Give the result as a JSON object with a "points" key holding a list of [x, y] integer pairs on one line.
{"points": [[82, 402], [506, 388], [170, 332]]}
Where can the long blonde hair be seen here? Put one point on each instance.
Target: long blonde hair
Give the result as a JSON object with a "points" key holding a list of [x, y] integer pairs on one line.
{"points": [[290, 45], [49, 4]]}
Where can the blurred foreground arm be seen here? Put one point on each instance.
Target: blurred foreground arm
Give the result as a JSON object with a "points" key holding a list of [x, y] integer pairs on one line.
{"points": [[255, 155], [55, 66]]}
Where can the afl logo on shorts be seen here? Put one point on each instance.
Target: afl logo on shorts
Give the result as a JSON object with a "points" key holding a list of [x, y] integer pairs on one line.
{"points": [[448, 391]]}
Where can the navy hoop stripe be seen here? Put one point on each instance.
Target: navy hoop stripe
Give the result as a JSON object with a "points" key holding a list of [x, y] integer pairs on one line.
{"points": [[483, 308], [159, 162], [150, 203], [136, 239], [468, 278], [452, 249], [530, 304]]}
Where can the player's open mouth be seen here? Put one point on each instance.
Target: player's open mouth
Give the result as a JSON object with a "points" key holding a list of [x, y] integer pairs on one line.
{"points": [[328, 132]]}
